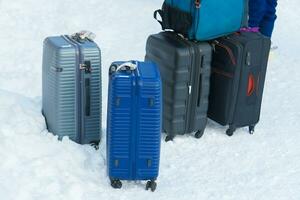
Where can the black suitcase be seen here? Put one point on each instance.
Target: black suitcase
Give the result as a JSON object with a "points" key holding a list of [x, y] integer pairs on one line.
{"points": [[238, 74], [185, 70]]}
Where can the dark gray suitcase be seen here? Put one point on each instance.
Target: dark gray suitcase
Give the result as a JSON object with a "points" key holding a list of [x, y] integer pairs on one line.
{"points": [[238, 75], [185, 71], [72, 87]]}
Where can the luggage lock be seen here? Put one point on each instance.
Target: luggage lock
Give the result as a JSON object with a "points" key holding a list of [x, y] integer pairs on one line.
{"points": [[86, 66]]}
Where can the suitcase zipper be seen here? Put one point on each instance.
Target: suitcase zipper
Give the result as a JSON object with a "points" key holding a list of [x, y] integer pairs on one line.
{"points": [[194, 61], [190, 88], [189, 83], [81, 67], [236, 82], [132, 67], [78, 87], [137, 116], [196, 72]]}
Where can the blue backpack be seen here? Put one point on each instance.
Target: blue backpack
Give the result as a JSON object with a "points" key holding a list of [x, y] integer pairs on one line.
{"points": [[203, 19]]}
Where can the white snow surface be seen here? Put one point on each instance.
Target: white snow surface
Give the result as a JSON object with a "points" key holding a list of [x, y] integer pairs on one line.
{"points": [[34, 165]]}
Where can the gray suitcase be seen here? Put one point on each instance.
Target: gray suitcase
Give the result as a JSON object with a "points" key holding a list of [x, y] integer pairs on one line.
{"points": [[72, 87], [185, 70]]}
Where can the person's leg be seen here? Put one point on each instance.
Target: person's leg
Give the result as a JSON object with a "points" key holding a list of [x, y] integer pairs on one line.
{"points": [[257, 10], [267, 23]]}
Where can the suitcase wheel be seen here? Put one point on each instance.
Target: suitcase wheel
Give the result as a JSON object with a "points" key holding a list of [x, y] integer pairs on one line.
{"points": [[230, 131], [115, 183], [152, 185], [251, 129], [95, 144], [169, 138], [199, 134], [112, 69]]}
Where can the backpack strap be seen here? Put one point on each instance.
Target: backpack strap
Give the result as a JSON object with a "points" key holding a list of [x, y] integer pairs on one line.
{"points": [[160, 12], [173, 18]]}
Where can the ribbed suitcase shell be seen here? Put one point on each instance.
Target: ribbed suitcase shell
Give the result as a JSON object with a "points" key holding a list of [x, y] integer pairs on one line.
{"points": [[237, 58], [134, 123], [63, 89], [185, 72]]}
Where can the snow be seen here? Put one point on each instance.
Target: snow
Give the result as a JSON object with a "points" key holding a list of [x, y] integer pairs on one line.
{"points": [[35, 165]]}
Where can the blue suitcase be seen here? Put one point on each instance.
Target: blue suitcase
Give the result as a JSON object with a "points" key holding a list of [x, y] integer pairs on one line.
{"points": [[134, 122], [72, 87]]}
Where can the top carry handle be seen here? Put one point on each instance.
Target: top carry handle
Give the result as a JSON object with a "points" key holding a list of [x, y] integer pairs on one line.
{"points": [[82, 36], [130, 65]]}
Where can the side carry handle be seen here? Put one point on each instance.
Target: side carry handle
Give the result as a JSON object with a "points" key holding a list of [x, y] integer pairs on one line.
{"points": [[200, 80], [227, 49], [251, 85], [87, 86]]}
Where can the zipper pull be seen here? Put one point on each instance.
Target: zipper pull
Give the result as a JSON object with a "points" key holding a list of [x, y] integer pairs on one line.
{"points": [[190, 89], [198, 3]]}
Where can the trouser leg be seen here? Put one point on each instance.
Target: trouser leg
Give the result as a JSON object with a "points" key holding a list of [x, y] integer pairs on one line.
{"points": [[267, 23], [257, 9]]}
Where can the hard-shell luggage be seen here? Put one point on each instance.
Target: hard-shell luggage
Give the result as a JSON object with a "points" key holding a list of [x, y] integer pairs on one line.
{"points": [[203, 20], [185, 71], [72, 87], [237, 82], [134, 122]]}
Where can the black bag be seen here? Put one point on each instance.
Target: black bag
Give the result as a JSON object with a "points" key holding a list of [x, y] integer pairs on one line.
{"points": [[238, 74], [185, 72]]}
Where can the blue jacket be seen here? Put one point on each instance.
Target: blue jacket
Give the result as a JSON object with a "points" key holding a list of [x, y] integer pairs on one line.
{"points": [[262, 14]]}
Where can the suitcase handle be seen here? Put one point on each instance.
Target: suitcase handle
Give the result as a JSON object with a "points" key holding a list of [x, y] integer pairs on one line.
{"points": [[228, 50], [131, 65], [82, 36], [87, 87], [200, 82]]}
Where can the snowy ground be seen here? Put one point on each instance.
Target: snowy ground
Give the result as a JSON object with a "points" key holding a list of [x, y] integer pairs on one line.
{"points": [[34, 165]]}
